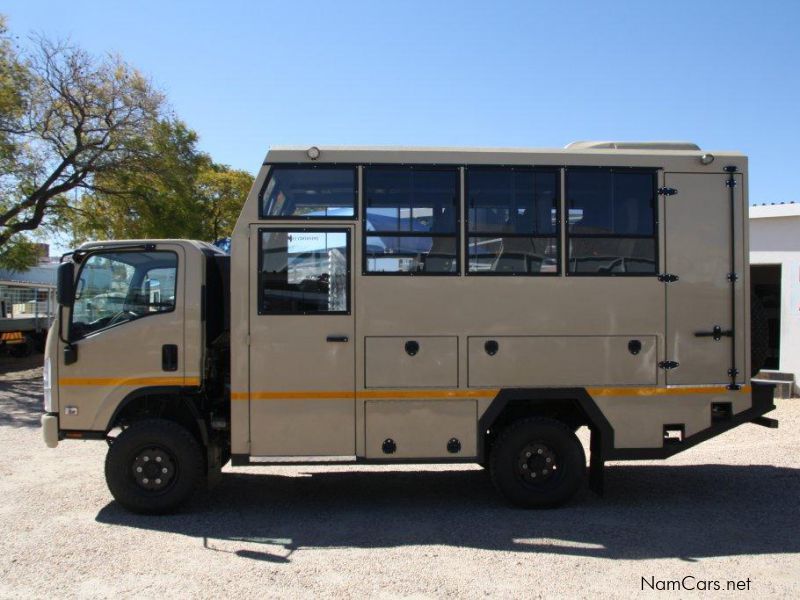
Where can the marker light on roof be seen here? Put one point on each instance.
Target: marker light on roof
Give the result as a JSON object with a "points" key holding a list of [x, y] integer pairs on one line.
{"points": [[313, 153]]}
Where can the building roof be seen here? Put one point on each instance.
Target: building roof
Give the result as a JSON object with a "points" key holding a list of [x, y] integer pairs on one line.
{"points": [[44, 275], [775, 209]]}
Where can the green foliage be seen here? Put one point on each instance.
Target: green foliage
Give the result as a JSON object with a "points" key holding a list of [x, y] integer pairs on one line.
{"points": [[172, 191], [221, 192], [18, 254]]}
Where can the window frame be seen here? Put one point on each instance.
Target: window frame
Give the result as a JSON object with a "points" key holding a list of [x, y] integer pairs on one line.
{"points": [[555, 170], [110, 250], [288, 229], [301, 218], [456, 235], [654, 173]]}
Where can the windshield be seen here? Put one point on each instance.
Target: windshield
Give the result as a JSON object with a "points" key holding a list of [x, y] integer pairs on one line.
{"points": [[117, 287]]}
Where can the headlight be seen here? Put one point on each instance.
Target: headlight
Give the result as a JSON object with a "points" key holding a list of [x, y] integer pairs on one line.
{"points": [[47, 385]]}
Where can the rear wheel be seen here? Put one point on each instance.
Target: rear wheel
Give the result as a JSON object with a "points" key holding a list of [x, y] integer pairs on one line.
{"points": [[153, 466], [538, 463]]}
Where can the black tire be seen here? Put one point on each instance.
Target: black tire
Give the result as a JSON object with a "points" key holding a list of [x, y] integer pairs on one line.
{"points": [[515, 463], [24, 349], [759, 335], [154, 445]]}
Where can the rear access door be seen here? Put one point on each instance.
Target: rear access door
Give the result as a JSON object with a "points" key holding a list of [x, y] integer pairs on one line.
{"points": [[702, 301], [302, 352]]}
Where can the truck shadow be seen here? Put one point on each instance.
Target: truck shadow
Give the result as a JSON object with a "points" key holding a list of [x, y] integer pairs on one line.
{"points": [[648, 512]]}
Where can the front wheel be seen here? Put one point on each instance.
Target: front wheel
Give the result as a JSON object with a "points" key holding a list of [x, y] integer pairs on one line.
{"points": [[153, 466], [538, 463]]}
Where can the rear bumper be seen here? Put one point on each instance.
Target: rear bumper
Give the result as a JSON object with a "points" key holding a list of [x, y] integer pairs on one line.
{"points": [[50, 429], [762, 402]]}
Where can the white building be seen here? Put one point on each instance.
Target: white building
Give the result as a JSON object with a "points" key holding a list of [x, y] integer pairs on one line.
{"points": [[775, 280]]}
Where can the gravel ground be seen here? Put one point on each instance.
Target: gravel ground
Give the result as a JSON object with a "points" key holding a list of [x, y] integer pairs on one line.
{"points": [[726, 510]]}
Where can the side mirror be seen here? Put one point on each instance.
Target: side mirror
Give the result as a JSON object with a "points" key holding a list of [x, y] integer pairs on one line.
{"points": [[65, 292]]}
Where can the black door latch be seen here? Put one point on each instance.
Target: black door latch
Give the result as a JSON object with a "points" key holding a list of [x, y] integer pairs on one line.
{"points": [[715, 333], [169, 357]]}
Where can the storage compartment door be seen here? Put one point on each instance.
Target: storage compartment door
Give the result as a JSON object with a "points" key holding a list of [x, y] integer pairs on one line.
{"points": [[536, 361], [420, 429]]}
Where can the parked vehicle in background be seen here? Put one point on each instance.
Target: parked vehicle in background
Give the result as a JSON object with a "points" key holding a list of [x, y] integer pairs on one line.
{"points": [[421, 305], [27, 306]]}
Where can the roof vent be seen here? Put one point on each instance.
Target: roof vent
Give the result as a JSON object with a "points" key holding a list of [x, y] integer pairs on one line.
{"points": [[632, 146]]}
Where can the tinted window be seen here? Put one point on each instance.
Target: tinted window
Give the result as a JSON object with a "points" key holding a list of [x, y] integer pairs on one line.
{"points": [[512, 220], [611, 221], [304, 272], [611, 203], [512, 201], [117, 287], [411, 220], [309, 192]]}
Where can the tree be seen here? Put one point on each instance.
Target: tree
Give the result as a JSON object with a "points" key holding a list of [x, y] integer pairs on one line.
{"points": [[66, 120], [172, 191], [151, 197], [222, 192]]}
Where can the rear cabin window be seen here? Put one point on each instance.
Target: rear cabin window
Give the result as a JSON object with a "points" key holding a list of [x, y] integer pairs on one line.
{"points": [[304, 271], [318, 192], [512, 217], [411, 220], [611, 222]]}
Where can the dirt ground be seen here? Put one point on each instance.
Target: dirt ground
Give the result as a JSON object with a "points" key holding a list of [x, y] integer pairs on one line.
{"points": [[727, 510]]}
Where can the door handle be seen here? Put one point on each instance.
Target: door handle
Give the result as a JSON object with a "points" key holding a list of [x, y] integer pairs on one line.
{"points": [[169, 357], [338, 338], [717, 333]]}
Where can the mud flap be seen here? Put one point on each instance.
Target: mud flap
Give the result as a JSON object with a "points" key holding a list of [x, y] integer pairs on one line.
{"points": [[596, 462]]}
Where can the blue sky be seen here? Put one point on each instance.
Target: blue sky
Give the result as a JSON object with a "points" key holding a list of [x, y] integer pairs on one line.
{"points": [[247, 75]]}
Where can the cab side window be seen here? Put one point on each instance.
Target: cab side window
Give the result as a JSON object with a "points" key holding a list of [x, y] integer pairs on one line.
{"points": [[117, 287]]}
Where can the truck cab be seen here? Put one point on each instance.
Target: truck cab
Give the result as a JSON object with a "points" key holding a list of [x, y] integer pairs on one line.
{"points": [[133, 340]]}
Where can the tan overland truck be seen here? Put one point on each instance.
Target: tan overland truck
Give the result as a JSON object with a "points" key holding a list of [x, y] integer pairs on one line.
{"points": [[399, 305]]}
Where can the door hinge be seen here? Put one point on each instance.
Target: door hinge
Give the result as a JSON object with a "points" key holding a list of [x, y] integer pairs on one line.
{"points": [[668, 364], [667, 191], [667, 277], [247, 339]]}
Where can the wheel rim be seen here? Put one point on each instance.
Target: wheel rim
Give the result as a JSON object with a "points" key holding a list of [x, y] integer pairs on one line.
{"points": [[537, 464], [154, 469]]}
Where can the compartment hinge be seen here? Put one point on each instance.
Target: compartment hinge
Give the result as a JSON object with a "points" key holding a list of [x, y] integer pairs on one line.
{"points": [[667, 277], [668, 364], [667, 191]]}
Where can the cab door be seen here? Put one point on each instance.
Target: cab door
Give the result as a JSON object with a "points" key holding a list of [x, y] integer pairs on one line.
{"points": [[127, 328], [699, 303], [302, 351]]}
